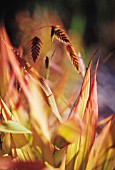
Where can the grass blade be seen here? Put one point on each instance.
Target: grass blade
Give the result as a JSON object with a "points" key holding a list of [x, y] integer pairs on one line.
{"points": [[12, 127], [90, 121], [15, 65], [70, 129], [37, 111], [3, 68], [80, 104], [78, 110], [103, 150], [50, 97], [23, 151]]}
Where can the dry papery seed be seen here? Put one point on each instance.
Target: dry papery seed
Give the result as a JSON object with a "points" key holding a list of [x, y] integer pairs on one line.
{"points": [[59, 33], [35, 48], [73, 56]]}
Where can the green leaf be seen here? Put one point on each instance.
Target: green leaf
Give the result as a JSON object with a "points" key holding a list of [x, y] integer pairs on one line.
{"points": [[12, 127], [70, 129]]}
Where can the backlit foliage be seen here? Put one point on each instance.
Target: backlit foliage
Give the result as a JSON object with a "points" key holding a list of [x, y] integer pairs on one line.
{"points": [[34, 132]]}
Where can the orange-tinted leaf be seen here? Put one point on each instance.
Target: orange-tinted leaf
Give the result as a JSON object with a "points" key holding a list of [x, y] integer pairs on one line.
{"points": [[47, 153], [7, 115], [15, 65], [49, 95], [78, 110], [80, 104], [103, 121], [39, 121], [4, 75], [90, 120], [69, 102], [103, 151], [37, 111]]}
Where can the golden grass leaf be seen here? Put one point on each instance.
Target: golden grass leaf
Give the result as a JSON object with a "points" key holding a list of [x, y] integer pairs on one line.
{"points": [[32, 72], [50, 97], [71, 129], [103, 150], [80, 104], [78, 110], [22, 148], [90, 118], [7, 115]]}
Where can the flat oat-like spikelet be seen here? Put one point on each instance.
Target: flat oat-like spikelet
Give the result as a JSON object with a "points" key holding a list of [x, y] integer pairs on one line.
{"points": [[35, 48], [73, 56], [59, 33]]}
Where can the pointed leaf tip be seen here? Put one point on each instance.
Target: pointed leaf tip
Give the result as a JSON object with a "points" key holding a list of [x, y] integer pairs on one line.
{"points": [[13, 127]]}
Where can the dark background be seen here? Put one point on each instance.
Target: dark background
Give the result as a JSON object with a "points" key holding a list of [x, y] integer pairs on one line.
{"points": [[97, 14]]}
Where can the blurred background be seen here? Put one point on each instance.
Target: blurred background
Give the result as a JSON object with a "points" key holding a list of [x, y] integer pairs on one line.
{"points": [[90, 25]]}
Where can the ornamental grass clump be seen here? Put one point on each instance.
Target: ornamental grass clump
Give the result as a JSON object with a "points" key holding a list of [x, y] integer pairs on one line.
{"points": [[34, 133]]}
